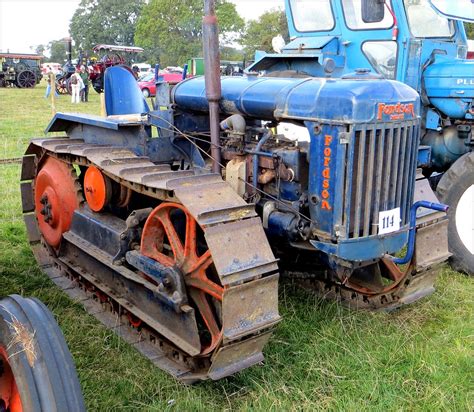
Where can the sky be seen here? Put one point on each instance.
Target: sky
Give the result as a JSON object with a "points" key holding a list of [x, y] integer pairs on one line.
{"points": [[24, 23]]}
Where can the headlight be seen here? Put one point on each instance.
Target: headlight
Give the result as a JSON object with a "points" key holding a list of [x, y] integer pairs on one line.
{"points": [[462, 51]]}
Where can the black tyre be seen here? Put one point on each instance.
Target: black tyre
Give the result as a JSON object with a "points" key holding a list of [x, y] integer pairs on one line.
{"points": [[37, 372], [26, 79], [146, 93], [456, 189]]}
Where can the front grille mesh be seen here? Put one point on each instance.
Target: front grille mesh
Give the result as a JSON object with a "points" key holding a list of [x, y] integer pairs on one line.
{"points": [[380, 175]]}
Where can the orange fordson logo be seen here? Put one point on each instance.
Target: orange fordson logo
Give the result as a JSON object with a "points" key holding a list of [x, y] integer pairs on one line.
{"points": [[395, 111]]}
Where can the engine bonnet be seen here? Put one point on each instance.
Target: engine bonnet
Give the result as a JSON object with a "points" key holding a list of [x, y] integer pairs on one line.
{"points": [[312, 99], [449, 84]]}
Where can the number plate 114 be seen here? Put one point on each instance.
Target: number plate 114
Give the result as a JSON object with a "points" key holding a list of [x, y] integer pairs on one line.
{"points": [[389, 221]]}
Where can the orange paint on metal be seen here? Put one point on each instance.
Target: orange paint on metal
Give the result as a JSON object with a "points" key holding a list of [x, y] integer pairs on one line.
{"points": [[95, 188], [8, 388], [55, 200], [159, 227]]}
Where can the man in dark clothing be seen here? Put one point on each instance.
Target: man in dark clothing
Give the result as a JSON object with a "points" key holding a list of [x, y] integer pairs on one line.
{"points": [[85, 78]]}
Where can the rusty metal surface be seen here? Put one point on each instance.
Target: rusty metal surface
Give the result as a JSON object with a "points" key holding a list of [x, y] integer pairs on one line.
{"points": [[431, 244], [241, 250], [27, 199], [233, 358], [28, 167], [250, 307]]}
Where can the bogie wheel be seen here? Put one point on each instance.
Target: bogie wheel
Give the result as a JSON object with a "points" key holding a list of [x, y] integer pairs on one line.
{"points": [[172, 237], [56, 198], [37, 372], [456, 189], [26, 79]]}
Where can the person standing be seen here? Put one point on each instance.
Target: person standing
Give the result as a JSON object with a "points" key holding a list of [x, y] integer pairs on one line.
{"points": [[75, 81], [85, 79]]}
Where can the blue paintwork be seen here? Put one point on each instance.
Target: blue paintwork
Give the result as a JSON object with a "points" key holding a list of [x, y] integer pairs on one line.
{"points": [[363, 249], [121, 94], [61, 121], [432, 120], [297, 99], [424, 156]]}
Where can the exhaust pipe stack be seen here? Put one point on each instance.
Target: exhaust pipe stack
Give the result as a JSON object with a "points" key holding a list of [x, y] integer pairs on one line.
{"points": [[212, 75]]}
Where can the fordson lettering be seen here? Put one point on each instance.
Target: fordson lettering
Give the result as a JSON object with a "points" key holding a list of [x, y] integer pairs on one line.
{"points": [[395, 111], [326, 173]]}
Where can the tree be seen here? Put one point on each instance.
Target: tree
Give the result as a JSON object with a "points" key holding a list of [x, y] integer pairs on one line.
{"points": [[469, 30], [105, 21], [259, 33], [57, 51], [170, 31]]}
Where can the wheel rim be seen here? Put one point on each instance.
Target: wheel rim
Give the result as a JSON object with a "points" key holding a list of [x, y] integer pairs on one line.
{"points": [[172, 237], [465, 219], [9, 394], [56, 198]]}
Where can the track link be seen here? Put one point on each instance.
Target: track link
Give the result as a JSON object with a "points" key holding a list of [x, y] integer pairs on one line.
{"points": [[245, 264]]}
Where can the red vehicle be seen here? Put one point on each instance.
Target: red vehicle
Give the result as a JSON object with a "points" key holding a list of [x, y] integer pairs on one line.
{"points": [[111, 56], [147, 83]]}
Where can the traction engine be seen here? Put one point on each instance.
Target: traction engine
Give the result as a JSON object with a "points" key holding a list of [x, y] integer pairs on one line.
{"points": [[172, 224]]}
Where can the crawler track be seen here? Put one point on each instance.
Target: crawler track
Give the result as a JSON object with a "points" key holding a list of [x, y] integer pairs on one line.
{"points": [[246, 267]]}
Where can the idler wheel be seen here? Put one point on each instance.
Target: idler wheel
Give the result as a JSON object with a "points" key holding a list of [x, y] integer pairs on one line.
{"points": [[97, 188], [56, 198], [172, 237]]}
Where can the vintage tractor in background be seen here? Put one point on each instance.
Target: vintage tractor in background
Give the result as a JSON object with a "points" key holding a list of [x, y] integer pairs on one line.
{"points": [[172, 221], [20, 70], [421, 43], [111, 55], [63, 85], [37, 372]]}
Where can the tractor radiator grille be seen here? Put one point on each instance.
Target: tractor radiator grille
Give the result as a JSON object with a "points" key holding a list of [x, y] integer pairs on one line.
{"points": [[380, 175]]}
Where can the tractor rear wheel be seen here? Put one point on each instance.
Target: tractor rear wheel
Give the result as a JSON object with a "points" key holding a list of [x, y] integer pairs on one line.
{"points": [[456, 188], [37, 372], [26, 79]]}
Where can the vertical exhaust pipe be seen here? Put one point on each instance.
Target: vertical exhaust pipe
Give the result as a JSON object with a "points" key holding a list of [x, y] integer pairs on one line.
{"points": [[212, 76]]}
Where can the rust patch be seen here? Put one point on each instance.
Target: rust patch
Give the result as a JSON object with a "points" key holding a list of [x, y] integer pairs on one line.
{"points": [[239, 214]]}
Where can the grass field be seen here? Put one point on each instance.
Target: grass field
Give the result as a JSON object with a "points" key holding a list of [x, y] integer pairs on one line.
{"points": [[322, 357]]}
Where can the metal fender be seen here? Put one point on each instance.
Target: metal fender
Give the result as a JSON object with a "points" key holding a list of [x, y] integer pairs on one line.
{"points": [[122, 94]]}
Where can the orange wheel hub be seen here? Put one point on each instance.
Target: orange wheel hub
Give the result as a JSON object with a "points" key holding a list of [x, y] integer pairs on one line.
{"points": [[9, 395], [97, 189], [170, 236], [56, 198]]}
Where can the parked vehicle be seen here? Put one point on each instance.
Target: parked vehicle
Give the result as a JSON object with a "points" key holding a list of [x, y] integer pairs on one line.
{"points": [[173, 220], [111, 55], [147, 83], [20, 70], [411, 41]]}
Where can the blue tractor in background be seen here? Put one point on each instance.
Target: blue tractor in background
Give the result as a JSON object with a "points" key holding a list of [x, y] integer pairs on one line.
{"points": [[421, 43]]}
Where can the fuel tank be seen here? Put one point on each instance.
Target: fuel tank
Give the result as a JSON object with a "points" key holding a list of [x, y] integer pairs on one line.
{"points": [[355, 99], [449, 85]]}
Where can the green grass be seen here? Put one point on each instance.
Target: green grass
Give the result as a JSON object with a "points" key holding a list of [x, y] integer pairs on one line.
{"points": [[322, 357]]}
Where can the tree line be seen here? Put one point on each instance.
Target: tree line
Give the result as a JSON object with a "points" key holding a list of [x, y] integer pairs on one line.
{"points": [[170, 31]]}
